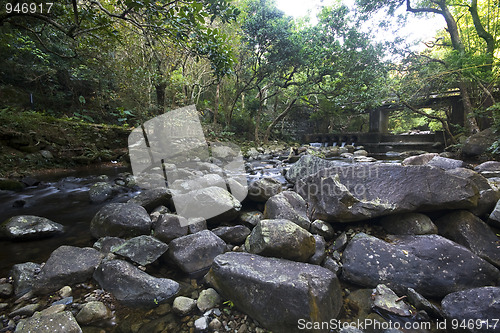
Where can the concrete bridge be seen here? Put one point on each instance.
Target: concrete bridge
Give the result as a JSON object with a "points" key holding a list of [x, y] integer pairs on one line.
{"points": [[378, 139]]}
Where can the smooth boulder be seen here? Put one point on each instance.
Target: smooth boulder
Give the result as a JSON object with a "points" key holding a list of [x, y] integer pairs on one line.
{"points": [[262, 189], [480, 306], [466, 229], [361, 192], [281, 239], [120, 220], [133, 287], [195, 253], [431, 264], [408, 224], [67, 265], [61, 322], [142, 250], [170, 226], [277, 292], [26, 227], [290, 206]]}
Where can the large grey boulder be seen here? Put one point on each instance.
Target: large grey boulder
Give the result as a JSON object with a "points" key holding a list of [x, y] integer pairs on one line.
{"points": [[67, 265], [170, 226], [142, 250], [480, 306], [121, 220], [262, 189], [487, 195], [466, 229], [133, 287], [478, 143], [362, 191], [195, 253], [408, 224], [290, 206], [281, 239], [432, 265], [277, 292], [61, 322], [25, 227]]}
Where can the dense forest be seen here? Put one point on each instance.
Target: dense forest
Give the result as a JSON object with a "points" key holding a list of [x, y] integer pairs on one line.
{"points": [[246, 65]]}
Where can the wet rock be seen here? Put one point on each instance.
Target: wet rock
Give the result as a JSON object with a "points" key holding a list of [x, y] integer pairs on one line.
{"points": [[487, 195], [27, 310], [332, 265], [360, 152], [466, 229], [67, 265], [208, 299], [135, 288], [361, 191], [445, 163], [11, 185], [100, 192], [105, 244], [215, 204], [386, 300], [477, 143], [408, 224], [196, 252], [494, 218], [232, 235], [290, 206], [152, 198], [62, 322], [322, 228], [201, 324], [183, 305], [142, 250], [250, 219], [6, 289], [432, 265], [421, 303], [320, 253], [196, 224], [93, 312], [26, 227], [122, 220], [474, 305], [308, 165], [276, 292], [170, 226], [262, 189], [340, 243], [23, 276], [281, 239], [488, 166], [359, 303]]}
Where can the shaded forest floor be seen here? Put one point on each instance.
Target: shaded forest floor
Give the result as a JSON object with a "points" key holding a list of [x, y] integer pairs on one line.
{"points": [[31, 142]]}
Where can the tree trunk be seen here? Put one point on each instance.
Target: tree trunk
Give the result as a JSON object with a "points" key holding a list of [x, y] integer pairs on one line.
{"points": [[160, 95], [481, 32], [217, 97], [277, 119]]}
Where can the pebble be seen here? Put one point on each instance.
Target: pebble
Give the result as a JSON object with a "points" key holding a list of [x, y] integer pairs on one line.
{"points": [[65, 291], [208, 299]]}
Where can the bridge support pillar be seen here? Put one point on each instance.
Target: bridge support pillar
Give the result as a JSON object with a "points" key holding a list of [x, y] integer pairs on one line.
{"points": [[379, 121]]}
